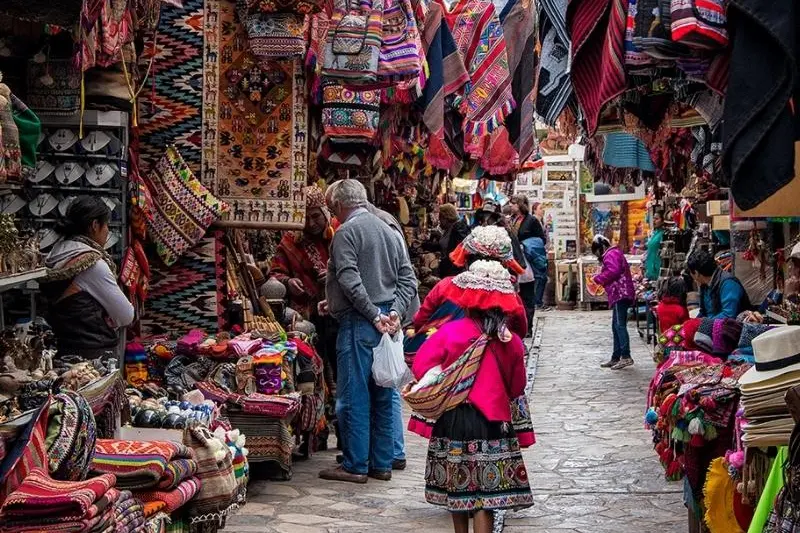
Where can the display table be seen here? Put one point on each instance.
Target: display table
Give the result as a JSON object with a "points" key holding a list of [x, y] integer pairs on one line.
{"points": [[589, 267]]}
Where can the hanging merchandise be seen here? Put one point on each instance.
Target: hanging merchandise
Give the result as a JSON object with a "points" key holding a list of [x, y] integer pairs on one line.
{"points": [[554, 87], [353, 43], [350, 115], [399, 60], [54, 86], [300, 7], [699, 23], [184, 209], [271, 36]]}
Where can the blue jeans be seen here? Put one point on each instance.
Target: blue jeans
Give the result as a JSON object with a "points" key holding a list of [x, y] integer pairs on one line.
{"points": [[398, 427], [619, 328], [541, 283], [364, 410]]}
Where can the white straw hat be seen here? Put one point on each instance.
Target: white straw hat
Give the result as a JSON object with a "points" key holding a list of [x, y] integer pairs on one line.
{"points": [[777, 354]]}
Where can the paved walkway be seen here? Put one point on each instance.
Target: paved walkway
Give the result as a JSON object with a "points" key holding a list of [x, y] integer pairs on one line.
{"points": [[592, 470]]}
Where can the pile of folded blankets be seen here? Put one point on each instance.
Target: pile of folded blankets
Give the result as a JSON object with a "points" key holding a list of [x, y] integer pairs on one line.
{"points": [[160, 474], [92, 506]]}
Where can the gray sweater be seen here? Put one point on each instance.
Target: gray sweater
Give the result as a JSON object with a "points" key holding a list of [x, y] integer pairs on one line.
{"points": [[369, 265]]}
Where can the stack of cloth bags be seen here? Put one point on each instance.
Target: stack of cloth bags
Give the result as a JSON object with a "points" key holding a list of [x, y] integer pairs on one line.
{"points": [[766, 417], [161, 474], [44, 504]]}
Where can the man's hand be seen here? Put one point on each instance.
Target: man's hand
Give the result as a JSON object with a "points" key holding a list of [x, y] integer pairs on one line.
{"points": [[322, 308], [296, 287], [394, 322], [382, 323]]}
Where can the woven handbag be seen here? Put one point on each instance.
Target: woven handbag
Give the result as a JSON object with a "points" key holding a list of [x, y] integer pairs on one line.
{"points": [[452, 386]]}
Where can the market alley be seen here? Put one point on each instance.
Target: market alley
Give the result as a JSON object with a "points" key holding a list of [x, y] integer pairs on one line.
{"points": [[592, 469]]}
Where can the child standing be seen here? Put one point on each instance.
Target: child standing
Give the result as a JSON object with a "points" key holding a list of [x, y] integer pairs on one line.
{"points": [[671, 309], [615, 277]]}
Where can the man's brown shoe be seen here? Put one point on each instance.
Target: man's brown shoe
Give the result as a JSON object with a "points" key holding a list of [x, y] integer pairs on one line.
{"points": [[380, 476], [340, 474]]}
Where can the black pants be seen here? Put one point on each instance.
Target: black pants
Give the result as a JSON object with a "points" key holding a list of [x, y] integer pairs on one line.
{"points": [[527, 291]]}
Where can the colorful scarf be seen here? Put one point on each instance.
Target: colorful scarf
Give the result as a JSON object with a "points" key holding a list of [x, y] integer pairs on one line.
{"points": [[554, 86], [39, 498], [137, 464], [173, 499], [177, 470], [128, 513], [446, 77], [488, 99], [597, 28], [71, 436]]}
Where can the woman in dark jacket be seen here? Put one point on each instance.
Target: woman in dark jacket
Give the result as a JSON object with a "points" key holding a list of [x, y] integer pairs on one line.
{"points": [[86, 306]]}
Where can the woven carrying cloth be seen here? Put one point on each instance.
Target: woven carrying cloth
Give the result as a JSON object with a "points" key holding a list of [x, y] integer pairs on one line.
{"points": [[254, 127], [452, 386]]}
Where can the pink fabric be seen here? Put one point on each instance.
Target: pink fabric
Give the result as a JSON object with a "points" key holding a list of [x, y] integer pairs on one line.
{"points": [[503, 363]]}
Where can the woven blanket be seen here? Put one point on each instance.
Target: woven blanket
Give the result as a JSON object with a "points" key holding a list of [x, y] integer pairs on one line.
{"points": [[171, 109], [173, 499], [28, 451], [554, 86], [254, 127], [189, 294], [273, 406], [128, 513], [151, 508], [39, 497], [102, 523], [177, 470], [137, 465], [267, 439]]}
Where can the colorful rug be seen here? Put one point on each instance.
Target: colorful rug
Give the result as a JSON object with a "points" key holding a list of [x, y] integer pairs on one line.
{"points": [[254, 127], [189, 294], [172, 103]]}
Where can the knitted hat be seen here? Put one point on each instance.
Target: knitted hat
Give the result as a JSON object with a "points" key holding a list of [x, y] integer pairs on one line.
{"points": [[314, 197], [448, 211], [486, 285], [490, 242]]}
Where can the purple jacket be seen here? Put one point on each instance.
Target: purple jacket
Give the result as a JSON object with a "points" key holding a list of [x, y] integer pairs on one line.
{"points": [[615, 276]]}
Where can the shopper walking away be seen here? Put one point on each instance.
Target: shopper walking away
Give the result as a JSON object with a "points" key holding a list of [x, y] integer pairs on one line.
{"points": [[370, 284], [474, 464], [615, 277]]}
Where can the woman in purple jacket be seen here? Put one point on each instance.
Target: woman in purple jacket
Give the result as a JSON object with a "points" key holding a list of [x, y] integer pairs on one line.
{"points": [[615, 277]]}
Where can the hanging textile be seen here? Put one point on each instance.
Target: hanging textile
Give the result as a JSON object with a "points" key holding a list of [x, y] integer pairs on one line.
{"points": [[554, 87], [481, 43], [353, 43], [597, 28]]}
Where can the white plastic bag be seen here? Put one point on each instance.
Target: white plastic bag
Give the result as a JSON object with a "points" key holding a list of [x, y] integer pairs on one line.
{"points": [[389, 367]]}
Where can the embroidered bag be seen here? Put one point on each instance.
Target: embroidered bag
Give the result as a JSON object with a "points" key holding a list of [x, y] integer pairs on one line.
{"points": [[299, 7], [184, 208], [451, 387], [699, 23], [350, 115], [272, 36], [352, 48]]}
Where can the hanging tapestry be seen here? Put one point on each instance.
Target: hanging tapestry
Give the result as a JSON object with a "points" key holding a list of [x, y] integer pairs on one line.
{"points": [[170, 109], [189, 294], [254, 127]]}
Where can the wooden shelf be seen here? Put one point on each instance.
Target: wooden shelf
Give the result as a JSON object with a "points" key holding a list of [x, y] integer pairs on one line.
{"points": [[15, 280]]}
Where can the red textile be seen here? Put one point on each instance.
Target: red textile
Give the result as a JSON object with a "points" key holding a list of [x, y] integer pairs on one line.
{"points": [[670, 313], [40, 496], [442, 292], [29, 451], [300, 257], [597, 28], [502, 363]]}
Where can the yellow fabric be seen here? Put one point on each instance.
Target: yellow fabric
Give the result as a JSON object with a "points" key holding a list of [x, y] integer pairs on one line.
{"points": [[719, 492]]}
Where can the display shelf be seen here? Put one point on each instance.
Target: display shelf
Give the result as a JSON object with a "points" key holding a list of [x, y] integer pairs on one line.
{"points": [[776, 317], [15, 280]]}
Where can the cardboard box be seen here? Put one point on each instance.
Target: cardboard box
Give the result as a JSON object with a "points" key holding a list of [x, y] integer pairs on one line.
{"points": [[149, 434], [721, 223], [717, 207]]}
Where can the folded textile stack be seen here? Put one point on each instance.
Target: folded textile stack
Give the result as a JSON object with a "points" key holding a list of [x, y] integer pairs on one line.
{"points": [[144, 465], [128, 514], [173, 499], [767, 421], [44, 504]]}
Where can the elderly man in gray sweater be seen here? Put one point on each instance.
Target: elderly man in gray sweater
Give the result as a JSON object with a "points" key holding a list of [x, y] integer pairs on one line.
{"points": [[369, 287]]}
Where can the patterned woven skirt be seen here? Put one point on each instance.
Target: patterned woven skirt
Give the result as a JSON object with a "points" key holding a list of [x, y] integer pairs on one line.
{"points": [[475, 465]]}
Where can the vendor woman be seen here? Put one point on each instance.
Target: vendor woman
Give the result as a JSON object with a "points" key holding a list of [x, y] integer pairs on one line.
{"points": [[653, 259], [86, 306]]}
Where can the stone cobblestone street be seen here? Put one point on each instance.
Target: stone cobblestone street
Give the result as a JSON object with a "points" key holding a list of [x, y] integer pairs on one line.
{"points": [[592, 470]]}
